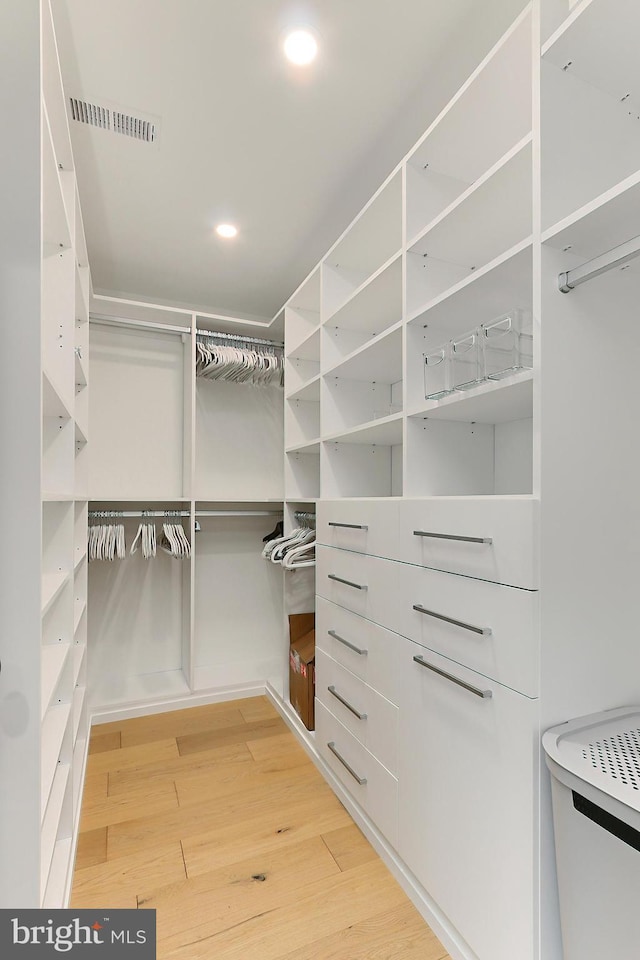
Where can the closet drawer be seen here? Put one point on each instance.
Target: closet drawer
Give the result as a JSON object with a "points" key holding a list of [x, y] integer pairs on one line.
{"points": [[496, 632], [368, 782], [493, 539], [365, 648], [368, 716], [360, 583], [363, 526]]}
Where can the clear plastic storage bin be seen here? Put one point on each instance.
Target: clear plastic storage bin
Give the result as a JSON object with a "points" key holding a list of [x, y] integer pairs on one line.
{"points": [[466, 361], [507, 344], [437, 373]]}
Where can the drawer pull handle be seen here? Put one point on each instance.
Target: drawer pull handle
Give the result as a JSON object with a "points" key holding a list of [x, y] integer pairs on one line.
{"points": [[348, 526], [334, 693], [451, 536], [483, 631], [346, 643], [485, 694], [348, 583], [360, 780]]}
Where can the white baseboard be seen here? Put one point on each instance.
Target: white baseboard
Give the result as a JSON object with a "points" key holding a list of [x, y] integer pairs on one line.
{"points": [[105, 713]]}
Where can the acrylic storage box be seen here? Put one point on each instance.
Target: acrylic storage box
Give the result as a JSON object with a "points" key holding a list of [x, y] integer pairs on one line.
{"points": [[466, 361], [507, 344], [437, 373]]}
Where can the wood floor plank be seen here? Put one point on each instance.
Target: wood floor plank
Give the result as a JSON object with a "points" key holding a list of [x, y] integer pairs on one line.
{"points": [[272, 748], [237, 892], [143, 802], [100, 742], [187, 719], [256, 708], [270, 830], [225, 779], [114, 882], [349, 847], [92, 848], [129, 757], [95, 787], [321, 908], [122, 781], [192, 743], [396, 934]]}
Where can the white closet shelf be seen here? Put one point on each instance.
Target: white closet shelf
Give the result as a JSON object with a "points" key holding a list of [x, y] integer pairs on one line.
{"points": [[79, 762], [50, 497], [496, 401], [52, 585], [302, 499], [79, 607], [52, 403], [609, 220], [56, 232], [376, 304], [106, 502], [53, 93], [82, 293], [307, 349], [599, 39], [52, 819], [58, 873], [81, 556], [377, 361], [54, 727], [308, 446], [79, 694], [53, 659], [506, 279], [387, 431], [81, 376], [79, 653], [80, 432], [309, 391]]}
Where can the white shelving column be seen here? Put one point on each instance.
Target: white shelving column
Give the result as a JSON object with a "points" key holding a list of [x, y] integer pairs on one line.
{"points": [[44, 290]]}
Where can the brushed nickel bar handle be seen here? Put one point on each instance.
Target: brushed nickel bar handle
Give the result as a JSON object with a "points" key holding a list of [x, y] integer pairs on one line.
{"points": [[346, 643], [348, 583], [451, 536], [483, 631], [485, 694], [360, 780], [334, 693], [348, 526]]}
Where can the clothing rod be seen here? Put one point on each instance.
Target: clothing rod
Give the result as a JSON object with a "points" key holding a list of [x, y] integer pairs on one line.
{"points": [[143, 324], [173, 514], [239, 513], [237, 336], [617, 257]]}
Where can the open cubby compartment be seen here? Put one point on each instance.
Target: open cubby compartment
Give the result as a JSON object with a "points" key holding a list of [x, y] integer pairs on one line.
{"points": [[487, 294], [58, 325], [58, 438], [58, 194], [81, 469], [53, 93], [491, 113], [236, 643], [57, 632], [494, 218], [371, 240], [80, 521], [351, 403], [136, 407], [301, 422], [361, 468], [57, 536], [57, 823], [460, 458], [374, 309], [302, 312], [80, 585], [590, 107], [137, 614], [302, 474], [553, 13], [225, 466]]}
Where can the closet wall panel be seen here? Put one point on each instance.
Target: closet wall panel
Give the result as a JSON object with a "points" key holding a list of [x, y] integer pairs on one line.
{"points": [[136, 413]]}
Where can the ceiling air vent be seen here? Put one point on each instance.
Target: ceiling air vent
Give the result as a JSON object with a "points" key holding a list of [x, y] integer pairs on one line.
{"points": [[115, 120]]}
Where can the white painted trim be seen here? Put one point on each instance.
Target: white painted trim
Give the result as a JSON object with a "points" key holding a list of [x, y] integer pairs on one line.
{"points": [[142, 708], [75, 833]]}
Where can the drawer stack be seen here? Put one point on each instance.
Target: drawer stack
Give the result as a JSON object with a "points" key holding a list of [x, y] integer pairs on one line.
{"points": [[426, 686]]}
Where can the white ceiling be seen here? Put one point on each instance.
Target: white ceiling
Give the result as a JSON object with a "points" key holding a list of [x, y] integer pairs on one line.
{"points": [[288, 154]]}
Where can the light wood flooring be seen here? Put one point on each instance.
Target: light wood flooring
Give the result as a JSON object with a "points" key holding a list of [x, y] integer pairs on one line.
{"points": [[215, 817]]}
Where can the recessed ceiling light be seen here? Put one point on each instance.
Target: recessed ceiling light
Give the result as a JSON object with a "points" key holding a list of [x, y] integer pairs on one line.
{"points": [[300, 47], [226, 230]]}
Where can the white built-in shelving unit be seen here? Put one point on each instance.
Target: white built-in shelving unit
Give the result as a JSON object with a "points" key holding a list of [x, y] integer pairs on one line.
{"points": [[44, 733]]}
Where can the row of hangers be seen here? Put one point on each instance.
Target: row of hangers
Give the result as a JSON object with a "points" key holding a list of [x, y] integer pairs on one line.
{"points": [[296, 549], [106, 541], [222, 356]]}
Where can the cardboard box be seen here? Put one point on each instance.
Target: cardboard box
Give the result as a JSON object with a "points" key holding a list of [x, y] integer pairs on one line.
{"points": [[302, 671]]}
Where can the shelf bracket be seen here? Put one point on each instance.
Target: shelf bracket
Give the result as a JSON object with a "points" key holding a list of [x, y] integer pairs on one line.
{"points": [[570, 279]]}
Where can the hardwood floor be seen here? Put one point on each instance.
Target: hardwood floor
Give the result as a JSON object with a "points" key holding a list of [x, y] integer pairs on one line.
{"points": [[216, 818]]}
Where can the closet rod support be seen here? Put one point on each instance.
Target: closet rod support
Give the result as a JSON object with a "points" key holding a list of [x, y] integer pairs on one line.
{"points": [[570, 279]]}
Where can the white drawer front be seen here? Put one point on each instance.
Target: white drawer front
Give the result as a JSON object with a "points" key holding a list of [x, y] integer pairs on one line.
{"points": [[360, 583], [368, 782], [429, 528], [364, 526], [370, 718], [495, 630], [365, 648]]}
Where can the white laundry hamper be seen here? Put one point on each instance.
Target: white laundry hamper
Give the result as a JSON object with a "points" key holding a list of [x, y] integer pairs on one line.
{"points": [[595, 781]]}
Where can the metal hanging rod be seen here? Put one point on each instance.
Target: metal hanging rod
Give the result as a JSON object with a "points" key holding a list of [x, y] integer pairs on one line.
{"points": [[171, 514], [238, 513], [142, 324], [238, 337], [570, 279]]}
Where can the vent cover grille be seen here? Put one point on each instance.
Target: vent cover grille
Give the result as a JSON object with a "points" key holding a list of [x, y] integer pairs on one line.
{"points": [[114, 120], [617, 756]]}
